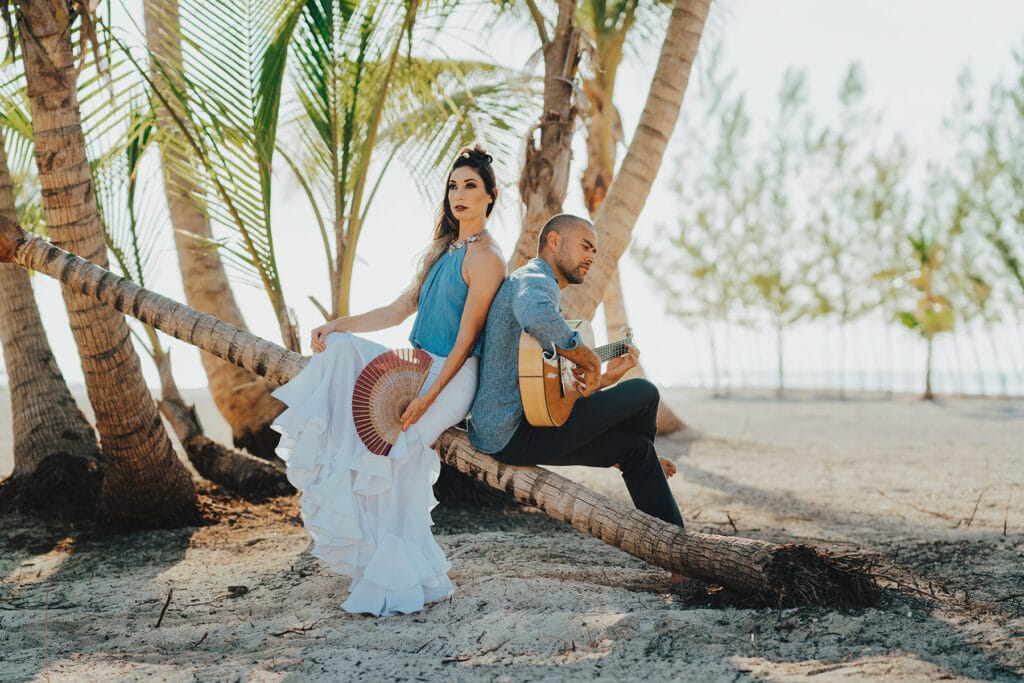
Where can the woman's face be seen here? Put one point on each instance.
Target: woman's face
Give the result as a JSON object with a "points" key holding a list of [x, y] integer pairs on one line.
{"points": [[467, 196]]}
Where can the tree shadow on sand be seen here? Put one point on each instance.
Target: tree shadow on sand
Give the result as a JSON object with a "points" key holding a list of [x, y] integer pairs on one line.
{"points": [[936, 583], [65, 583]]}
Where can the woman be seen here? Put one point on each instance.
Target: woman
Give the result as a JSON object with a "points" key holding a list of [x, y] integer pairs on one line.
{"points": [[369, 516]]}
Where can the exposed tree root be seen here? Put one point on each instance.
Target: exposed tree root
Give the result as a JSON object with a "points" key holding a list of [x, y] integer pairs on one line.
{"points": [[61, 487], [798, 574], [241, 473]]}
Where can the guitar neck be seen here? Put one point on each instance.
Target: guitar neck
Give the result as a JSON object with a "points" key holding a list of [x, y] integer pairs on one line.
{"points": [[613, 350]]}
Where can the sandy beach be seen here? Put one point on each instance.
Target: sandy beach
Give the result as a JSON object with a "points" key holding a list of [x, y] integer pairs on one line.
{"points": [[931, 493]]}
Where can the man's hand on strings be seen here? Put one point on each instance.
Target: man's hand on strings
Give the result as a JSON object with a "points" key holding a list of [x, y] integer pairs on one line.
{"points": [[617, 367]]}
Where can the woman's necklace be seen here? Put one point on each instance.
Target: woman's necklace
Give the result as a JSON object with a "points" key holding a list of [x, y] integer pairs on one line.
{"points": [[459, 244]]}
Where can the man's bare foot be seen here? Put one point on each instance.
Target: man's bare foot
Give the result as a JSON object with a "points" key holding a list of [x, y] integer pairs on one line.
{"points": [[667, 466]]}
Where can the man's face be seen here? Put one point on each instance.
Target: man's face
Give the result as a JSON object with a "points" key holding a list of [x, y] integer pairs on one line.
{"points": [[576, 251]]}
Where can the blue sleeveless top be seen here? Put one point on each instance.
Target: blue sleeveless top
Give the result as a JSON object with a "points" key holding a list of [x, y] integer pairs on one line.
{"points": [[442, 298]]}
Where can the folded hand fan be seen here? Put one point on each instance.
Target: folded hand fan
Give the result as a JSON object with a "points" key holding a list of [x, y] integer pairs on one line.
{"points": [[383, 390]]}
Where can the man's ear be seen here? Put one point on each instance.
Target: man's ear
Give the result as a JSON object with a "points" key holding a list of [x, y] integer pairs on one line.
{"points": [[554, 241]]}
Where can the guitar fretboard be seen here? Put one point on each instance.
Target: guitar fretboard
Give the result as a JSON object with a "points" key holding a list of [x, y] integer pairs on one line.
{"points": [[613, 350]]}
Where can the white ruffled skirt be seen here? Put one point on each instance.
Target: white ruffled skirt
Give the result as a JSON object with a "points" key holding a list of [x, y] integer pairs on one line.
{"points": [[369, 515]]}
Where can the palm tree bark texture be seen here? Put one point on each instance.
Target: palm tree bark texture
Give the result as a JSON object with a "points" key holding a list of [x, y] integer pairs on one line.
{"points": [[779, 575], [243, 399], [608, 32], [144, 483], [544, 181], [56, 457]]}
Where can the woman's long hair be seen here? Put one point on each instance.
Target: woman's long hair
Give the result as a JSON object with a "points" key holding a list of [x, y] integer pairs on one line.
{"points": [[446, 228]]}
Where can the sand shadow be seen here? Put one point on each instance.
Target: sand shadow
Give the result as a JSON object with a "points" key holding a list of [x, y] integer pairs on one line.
{"points": [[968, 576], [86, 581], [881, 528], [863, 644]]}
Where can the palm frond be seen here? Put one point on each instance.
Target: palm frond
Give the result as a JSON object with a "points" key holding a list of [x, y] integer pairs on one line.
{"points": [[338, 66], [225, 125], [119, 127], [442, 105], [14, 115], [16, 129], [133, 222]]}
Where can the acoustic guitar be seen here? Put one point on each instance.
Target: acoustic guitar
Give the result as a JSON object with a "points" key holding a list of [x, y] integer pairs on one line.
{"points": [[547, 385]]}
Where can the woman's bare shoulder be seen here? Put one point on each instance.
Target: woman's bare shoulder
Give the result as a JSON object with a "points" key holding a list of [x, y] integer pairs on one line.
{"points": [[485, 255]]}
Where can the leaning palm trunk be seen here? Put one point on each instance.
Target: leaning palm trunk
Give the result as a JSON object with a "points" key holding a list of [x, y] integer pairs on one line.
{"points": [[629, 190], [782, 575], [602, 138], [56, 459], [242, 398], [544, 181], [144, 483], [615, 320]]}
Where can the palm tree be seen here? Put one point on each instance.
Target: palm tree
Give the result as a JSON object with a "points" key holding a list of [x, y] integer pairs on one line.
{"points": [[609, 26], [56, 459], [144, 482], [629, 190], [363, 103], [544, 180], [780, 575], [356, 95], [131, 232], [242, 398]]}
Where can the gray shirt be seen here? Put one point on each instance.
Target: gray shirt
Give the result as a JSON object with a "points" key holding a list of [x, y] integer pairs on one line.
{"points": [[528, 299]]}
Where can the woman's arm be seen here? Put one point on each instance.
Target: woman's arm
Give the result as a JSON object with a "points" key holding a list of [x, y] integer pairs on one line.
{"points": [[485, 270], [371, 321]]}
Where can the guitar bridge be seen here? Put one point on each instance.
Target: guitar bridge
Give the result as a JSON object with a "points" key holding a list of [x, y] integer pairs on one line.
{"points": [[568, 381]]}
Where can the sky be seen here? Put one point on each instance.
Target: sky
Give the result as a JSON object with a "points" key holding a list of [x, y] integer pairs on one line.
{"points": [[911, 53]]}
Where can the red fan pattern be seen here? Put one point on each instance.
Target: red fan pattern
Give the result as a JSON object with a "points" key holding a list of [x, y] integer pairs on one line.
{"points": [[383, 390]]}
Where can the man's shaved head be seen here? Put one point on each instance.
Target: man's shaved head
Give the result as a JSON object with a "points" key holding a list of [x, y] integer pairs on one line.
{"points": [[560, 223], [569, 245]]}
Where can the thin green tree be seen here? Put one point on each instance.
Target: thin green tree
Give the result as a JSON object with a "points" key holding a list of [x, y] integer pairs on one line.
{"points": [[777, 272]]}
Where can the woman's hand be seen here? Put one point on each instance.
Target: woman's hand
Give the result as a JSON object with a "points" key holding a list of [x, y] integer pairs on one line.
{"points": [[318, 338], [415, 411]]}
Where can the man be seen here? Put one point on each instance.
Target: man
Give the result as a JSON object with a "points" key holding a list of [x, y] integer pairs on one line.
{"points": [[612, 424]]}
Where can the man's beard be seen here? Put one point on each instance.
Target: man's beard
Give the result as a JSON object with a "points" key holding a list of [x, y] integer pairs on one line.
{"points": [[573, 276]]}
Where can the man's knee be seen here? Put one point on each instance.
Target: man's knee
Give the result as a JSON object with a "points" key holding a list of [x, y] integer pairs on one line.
{"points": [[641, 392]]}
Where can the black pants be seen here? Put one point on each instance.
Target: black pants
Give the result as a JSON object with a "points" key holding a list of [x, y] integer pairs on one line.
{"points": [[613, 426]]}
